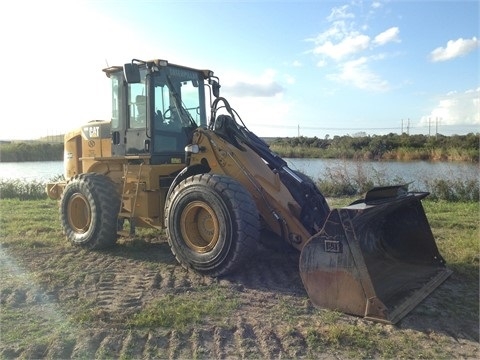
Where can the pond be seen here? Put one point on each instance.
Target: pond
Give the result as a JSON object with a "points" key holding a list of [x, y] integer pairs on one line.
{"points": [[416, 172]]}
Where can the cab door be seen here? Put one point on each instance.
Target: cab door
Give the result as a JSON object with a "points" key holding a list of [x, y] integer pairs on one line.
{"points": [[119, 111], [137, 139]]}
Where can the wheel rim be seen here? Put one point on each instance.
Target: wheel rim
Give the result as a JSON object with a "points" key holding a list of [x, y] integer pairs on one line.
{"points": [[199, 227], [79, 214]]}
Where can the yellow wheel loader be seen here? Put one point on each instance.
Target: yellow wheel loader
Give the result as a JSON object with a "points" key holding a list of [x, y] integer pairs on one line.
{"points": [[176, 156]]}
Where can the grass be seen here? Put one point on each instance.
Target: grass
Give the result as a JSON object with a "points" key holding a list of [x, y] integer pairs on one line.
{"points": [[367, 341], [455, 226], [208, 304], [456, 229], [23, 320], [29, 225]]}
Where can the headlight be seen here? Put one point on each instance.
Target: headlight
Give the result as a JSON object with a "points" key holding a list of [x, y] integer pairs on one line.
{"points": [[193, 149]]}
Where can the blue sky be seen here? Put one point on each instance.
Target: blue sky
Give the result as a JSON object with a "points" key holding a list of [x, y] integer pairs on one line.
{"points": [[311, 68]]}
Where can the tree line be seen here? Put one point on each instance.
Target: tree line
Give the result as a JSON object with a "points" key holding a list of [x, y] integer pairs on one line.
{"points": [[368, 147], [382, 147], [30, 151]]}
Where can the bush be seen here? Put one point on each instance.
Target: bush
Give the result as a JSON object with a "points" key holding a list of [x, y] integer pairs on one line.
{"points": [[454, 190], [25, 190], [391, 146], [17, 189], [337, 182]]}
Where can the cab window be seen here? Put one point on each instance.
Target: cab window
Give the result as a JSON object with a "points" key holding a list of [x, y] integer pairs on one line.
{"points": [[137, 104]]}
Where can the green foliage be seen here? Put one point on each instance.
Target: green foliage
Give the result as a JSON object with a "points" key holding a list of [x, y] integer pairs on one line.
{"points": [[24, 190], [386, 147], [337, 181], [361, 342], [182, 310], [31, 151], [334, 182], [454, 190], [17, 189]]}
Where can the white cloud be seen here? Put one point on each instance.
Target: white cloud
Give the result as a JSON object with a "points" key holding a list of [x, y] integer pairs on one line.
{"points": [[245, 85], [267, 116], [357, 73], [242, 89], [341, 12], [387, 36], [456, 108], [454, 49], [351, 44], [335, 32], [351, 47]]}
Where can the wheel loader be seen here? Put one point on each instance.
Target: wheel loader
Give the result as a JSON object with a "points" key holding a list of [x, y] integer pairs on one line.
{"points": [[176, 156]]}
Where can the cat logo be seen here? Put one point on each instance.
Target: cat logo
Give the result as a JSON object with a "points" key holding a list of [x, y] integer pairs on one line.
{"points": [[94, 131]]}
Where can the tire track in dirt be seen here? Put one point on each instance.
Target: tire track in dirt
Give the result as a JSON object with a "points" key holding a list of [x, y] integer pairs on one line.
{"points": [[87, 344], [246, 339], [272, 270], [117, 284]]}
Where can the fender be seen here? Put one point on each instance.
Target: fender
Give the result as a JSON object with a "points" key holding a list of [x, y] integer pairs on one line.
{"points": [[191, 170]]}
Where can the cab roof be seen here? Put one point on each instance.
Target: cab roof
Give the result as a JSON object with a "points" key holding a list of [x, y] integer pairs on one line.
{"points": [[156, 62]]}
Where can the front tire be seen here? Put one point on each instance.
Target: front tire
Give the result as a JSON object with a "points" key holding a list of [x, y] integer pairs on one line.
{"points": [[88, 211], [212, 224]]}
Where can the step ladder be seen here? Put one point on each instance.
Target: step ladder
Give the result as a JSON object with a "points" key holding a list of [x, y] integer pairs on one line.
{"points": [[127, 196]]}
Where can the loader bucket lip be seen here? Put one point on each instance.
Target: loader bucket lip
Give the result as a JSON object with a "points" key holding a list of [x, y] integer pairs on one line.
{"points": [[415, 299], [376, 260]]}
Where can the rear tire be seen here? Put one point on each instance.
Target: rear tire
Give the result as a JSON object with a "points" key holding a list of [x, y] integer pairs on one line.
{"points": [[212, 224], [88, 211]]}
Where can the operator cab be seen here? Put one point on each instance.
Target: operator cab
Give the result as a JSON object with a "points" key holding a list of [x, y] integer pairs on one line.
{"points": [[156, 106]]}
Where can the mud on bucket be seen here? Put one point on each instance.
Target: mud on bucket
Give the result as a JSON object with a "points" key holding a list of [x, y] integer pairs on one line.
{"points": [[376, 258]]}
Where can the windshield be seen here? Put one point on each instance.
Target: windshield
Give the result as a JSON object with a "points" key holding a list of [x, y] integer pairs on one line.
{"points": [[179, 98]]}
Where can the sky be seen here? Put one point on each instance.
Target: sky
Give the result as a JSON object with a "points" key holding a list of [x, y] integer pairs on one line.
{"points": [[289, 68]]}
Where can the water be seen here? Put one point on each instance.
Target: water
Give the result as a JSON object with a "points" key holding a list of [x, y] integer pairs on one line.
{"points": [[416, 172], [408, 171], [41, 171]]}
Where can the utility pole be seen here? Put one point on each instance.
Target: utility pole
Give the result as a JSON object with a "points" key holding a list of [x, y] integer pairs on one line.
{"points": [[408, 126], [429, 124]]}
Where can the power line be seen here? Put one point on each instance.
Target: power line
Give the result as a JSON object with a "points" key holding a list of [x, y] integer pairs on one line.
{"points": [[298, 127], [405, 127]]}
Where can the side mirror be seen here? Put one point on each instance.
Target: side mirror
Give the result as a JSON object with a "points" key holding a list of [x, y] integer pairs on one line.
{"points": [[215, 88], [131, 72]]}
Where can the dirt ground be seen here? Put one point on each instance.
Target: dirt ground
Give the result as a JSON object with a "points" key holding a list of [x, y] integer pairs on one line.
{"points": [[117, 283]]}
